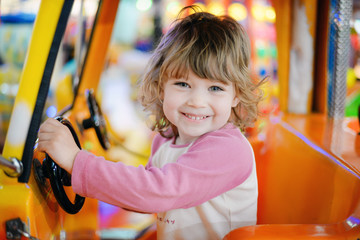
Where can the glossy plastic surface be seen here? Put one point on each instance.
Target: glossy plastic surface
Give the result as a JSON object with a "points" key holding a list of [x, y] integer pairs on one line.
{"points": [[18, 199], [34, 205], [309, 181]]}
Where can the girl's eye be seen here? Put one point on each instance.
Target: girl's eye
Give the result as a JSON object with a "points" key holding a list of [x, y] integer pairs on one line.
{"points": [[215, 89], [182, 84]]}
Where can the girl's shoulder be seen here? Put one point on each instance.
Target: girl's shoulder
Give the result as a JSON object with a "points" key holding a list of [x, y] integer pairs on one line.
{"points": [[227, 133], [158, 141], [228, 137]]}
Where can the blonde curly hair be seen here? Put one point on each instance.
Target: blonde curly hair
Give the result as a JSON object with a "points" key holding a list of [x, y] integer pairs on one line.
{"points": [[213, 47]]}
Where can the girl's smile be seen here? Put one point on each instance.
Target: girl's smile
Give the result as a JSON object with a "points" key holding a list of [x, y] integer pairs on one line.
{"points": [[195, 117], [196, 105]]}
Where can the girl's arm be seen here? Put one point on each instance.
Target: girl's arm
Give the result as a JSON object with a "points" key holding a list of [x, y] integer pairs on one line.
{"points": [[213, 165]]}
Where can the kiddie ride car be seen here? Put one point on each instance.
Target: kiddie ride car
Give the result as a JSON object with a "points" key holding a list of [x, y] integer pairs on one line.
{"points": [[308, 165]]}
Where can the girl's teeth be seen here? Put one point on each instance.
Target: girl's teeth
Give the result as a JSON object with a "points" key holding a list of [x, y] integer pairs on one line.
{"points": [[195, 118]]}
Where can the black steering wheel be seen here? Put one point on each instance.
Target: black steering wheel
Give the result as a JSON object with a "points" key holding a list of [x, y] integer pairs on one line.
{"points": [[60, 178], [96, 120]]}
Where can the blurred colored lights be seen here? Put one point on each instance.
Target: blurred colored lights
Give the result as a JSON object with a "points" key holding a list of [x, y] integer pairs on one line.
{"points": [[258, 12], [263, 13], [51, 111], [143, 5], [357, 26], [270, 14], [237, 11], [172, 9], [216, 8], [201, 6]]}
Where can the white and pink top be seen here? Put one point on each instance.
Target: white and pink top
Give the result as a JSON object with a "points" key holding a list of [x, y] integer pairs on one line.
{"points": [[201, 190]]}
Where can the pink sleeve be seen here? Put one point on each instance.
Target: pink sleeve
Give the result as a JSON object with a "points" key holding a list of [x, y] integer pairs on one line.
{"points": [[214, 164]]}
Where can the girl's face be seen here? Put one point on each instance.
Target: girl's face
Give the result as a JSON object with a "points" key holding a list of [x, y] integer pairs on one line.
{"points": [[197, 105]]}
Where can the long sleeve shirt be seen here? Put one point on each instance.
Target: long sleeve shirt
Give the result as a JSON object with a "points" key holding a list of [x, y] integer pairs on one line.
{"points": [[200, 190]]}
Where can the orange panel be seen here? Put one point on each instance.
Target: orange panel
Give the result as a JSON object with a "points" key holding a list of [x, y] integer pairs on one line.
{"points": [[309, 180], [100, 39], [283, 39], [304, 231]]}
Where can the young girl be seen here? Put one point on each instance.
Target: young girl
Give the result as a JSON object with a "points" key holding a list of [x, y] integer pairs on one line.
{"points": [[201, 176]]}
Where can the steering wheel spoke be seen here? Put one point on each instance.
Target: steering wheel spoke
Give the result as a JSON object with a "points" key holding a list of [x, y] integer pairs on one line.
{"points": [[96, 120]]}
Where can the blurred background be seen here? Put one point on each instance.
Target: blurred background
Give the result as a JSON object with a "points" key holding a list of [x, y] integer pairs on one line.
{"points": [[138, 27]]}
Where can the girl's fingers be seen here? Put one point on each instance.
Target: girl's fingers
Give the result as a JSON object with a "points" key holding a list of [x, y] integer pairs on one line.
{"points": [[51, 134], [56, 140], [50, 125]]}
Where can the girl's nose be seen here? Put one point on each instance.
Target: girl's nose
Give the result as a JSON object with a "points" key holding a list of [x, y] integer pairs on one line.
{"points": [[196, 99]]}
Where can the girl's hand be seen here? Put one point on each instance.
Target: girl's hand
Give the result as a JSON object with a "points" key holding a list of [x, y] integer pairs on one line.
{"points": [[57, 141]]}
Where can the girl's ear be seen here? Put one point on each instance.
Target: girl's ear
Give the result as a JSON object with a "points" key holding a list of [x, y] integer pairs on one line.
{"points": [[235, 101]]}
